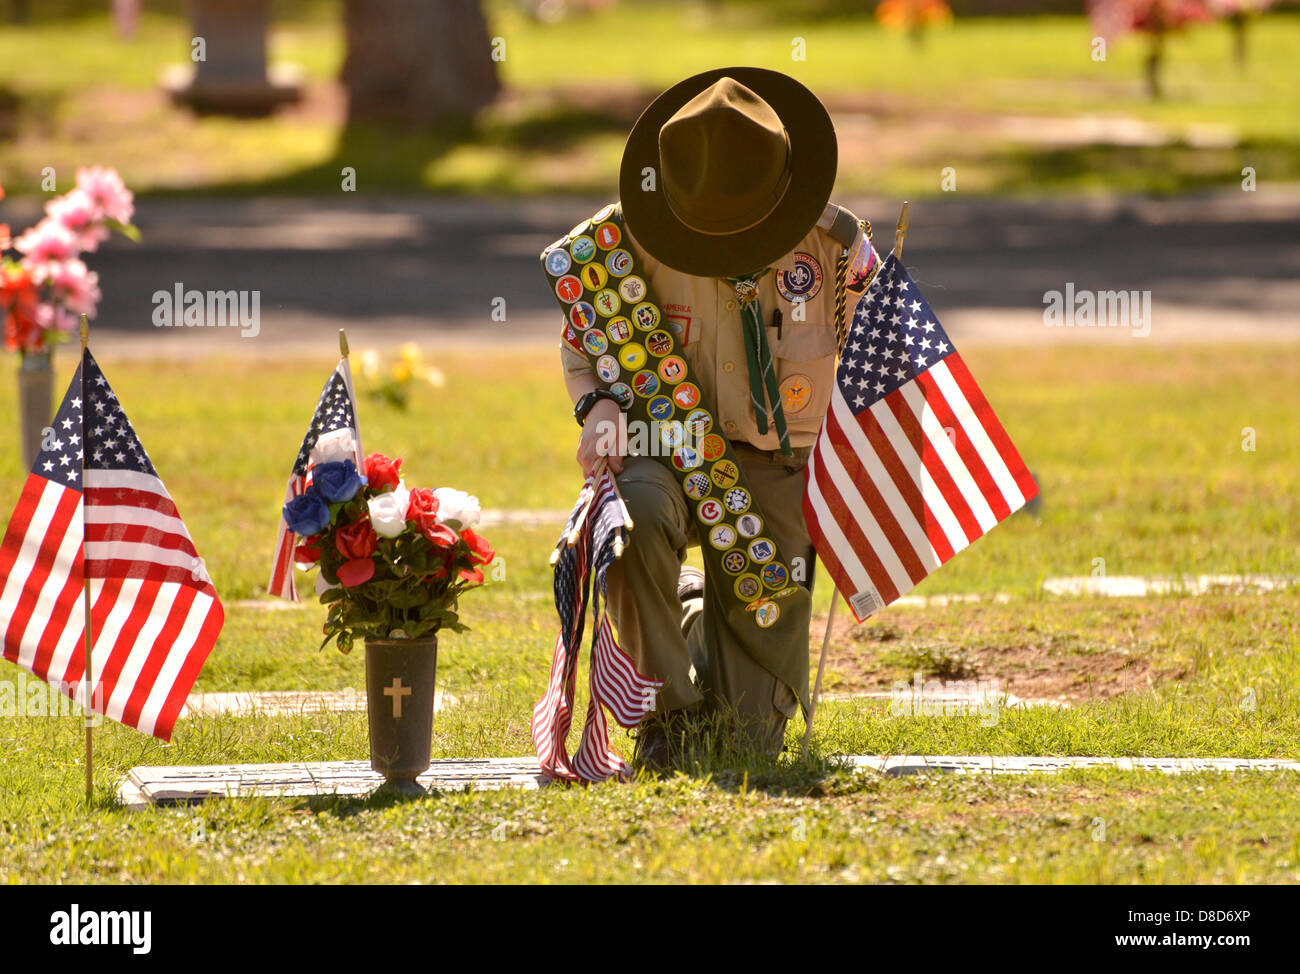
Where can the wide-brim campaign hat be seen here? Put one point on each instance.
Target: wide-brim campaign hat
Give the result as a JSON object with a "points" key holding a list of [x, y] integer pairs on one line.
{"points": [[727, 171]]}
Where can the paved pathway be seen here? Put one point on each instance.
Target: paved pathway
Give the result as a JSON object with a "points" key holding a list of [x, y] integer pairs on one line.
{"points": [[428, 269]]}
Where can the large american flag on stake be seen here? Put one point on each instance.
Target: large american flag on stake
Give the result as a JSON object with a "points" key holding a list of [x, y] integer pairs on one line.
{"points": [[911, 465], [154, 613], [615, 682], [335, 410]]}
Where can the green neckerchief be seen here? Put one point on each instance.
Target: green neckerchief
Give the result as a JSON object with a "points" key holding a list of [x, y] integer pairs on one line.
{"points": [[763, 387]]}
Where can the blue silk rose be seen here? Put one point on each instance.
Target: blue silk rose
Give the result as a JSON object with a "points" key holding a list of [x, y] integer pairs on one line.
{"points": [[308, 513], [337, 481]]}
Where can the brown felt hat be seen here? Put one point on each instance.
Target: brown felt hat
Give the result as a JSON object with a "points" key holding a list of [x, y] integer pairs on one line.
{"points": [[743, 160]]}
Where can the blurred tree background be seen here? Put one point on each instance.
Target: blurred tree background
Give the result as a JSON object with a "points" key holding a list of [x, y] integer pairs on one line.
{"points": [[535, 96]]}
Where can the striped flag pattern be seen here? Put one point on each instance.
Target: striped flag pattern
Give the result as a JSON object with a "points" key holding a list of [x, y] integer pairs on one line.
{"points": [[911, 465], [615, 683], [154, 612], [335, 410]]}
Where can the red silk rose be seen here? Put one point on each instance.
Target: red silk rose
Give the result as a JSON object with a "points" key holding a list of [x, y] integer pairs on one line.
{"points": [[306, 554], [440, 536], [474, 575], [357, 540], [383, 473], [479, 550], [422, 508], [356, 571]]}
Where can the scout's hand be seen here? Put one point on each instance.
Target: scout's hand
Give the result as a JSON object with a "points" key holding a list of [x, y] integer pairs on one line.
{"points": [[604, 434]]}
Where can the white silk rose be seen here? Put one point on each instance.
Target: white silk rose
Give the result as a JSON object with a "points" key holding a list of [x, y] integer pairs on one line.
{"points": [[388, 511], [456, 505], [335, 448]]}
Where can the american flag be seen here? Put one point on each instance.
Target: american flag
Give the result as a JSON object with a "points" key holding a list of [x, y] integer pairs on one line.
{"points": [[335, 410], [154, 613], [911, 465], [615, 682]]}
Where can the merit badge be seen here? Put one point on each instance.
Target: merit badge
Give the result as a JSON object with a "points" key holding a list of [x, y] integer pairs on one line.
{"points": [[582, 249], [558, 261], [687, 395], [767, 614], [580, 229], [749, 525], [619, 330], [712, 446], [709, 511], [659, 408], [608, 235], [672, 370], [604, 214], [671, 434], [606, 301], [696, 486], [618, 263], [660, 343], [632, 356], [801, 282], [623, 392], [737, 500], [646, 383], [699, 422], [594, 342], [607, 367], [761, 550], [645, 314], [748, 587], [569, 288], [734, 562], [571, 337], [583, 317], [775, 576], [632, 288], [594, 276], [685, 458], [725, 474], [796, 393], [722, 537]]}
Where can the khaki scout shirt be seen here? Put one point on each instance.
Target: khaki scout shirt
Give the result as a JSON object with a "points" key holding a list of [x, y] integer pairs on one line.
{"points": [[705, 315]]}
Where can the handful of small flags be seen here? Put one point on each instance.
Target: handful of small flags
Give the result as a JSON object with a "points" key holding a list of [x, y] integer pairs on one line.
{"points": [[594, 536]]}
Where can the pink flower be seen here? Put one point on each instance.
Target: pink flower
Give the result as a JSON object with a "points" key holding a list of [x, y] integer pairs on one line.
{"points": [[107, 193], [49, 240], [72, 284], [78, 213]]}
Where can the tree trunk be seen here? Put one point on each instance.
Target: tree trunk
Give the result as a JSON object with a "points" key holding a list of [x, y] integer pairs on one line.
{"points": [[417, 64]]}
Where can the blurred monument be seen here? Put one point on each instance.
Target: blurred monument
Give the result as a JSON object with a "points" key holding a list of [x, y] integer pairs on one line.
{"points": [[417, 64], [228, 72]]}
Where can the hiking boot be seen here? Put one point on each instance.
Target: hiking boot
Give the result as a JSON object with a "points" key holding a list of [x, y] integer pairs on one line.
{"points": [[660, 740]]}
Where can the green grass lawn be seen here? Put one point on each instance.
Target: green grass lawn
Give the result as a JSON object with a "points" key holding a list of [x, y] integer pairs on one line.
{"points": [[70, 92], [1138, 451]]}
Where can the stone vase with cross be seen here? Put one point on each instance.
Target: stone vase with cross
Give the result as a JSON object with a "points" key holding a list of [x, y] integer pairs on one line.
{"points": [[400, 677]]}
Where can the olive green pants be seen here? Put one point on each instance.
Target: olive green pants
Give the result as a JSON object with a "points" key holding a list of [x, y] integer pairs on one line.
{"points": [[647, 612]]}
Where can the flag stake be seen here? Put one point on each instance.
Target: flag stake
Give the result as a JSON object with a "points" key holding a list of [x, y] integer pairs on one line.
{"points": [[343, 343], [90, 636], [821, 668], [900, 232]]}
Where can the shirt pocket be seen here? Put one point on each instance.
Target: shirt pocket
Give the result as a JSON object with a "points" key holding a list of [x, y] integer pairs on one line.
{"points": [[805, 369]]}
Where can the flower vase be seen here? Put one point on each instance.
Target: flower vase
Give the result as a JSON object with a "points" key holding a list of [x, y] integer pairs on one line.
{"points": [[35, 401], [400, 676]]}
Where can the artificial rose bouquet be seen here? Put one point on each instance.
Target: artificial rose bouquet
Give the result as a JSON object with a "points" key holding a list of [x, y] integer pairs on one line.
{"points": [[44, 292], [393, 561]]}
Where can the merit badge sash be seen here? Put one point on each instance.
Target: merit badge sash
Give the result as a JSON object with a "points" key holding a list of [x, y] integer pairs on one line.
{"points": [[613, 320]]}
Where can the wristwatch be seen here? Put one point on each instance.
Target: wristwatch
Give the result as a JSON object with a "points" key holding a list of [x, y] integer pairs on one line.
{"points": [[588, 401]]}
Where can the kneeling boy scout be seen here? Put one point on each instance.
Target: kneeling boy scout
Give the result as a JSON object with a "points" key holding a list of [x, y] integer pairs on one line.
{"points": [[706, 307]]}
